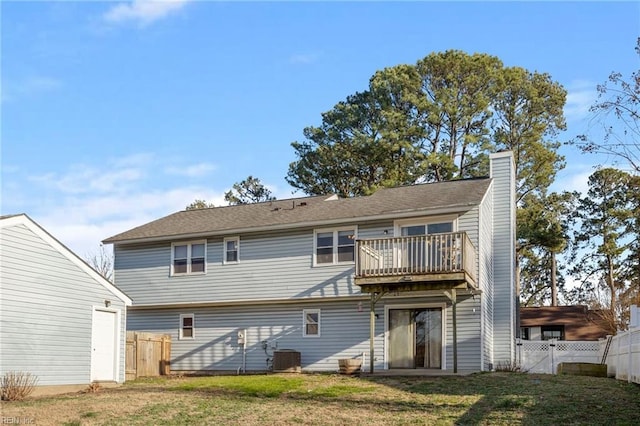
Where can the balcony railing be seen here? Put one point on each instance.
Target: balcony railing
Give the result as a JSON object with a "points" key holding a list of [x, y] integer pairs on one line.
{"points": [[433, 257]]}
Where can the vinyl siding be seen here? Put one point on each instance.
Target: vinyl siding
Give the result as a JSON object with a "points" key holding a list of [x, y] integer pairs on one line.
{"points": [[477, 224], [485, 267], [468, 222], [504, 297], [271, 266], [344, 333], [46, 311], [468, 323]]}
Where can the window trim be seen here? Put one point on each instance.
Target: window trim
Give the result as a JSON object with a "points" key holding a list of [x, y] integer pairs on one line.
{"points": [[335, 232], [181, 329], [189, 245], [304, 322], [224, 250]]}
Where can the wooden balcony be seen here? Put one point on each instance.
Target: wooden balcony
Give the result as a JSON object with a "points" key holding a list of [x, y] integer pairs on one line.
{"points": [[415, 263]]}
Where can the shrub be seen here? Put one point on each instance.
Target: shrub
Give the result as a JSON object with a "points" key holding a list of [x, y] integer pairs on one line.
{"points": [[94, 388], [17, 385], [509, 366]]}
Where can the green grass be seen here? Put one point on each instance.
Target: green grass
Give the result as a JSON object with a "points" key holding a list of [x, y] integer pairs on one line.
{"points": [[266, 386], [479, 399]]}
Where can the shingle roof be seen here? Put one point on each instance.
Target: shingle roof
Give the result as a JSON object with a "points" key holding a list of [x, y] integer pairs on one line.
{"points": [[581, 323], [299, 212]]}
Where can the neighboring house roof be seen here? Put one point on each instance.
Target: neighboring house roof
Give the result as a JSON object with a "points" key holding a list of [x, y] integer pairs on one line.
{"points": [[24, 220], [586, 324], [450, 196]]}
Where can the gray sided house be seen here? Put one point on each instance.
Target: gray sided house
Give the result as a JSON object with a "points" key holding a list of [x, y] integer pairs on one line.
{"points": [[414, 277], [59, 319]]}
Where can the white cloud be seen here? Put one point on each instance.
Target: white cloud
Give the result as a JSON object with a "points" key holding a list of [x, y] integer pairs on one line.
{"points": [[41, 83], [195, 170], [581, 95], [304, 58], [84, 179], [574, 178], [82, 222], [87, 203], [143, 12], [29, 86], [577, 182]]}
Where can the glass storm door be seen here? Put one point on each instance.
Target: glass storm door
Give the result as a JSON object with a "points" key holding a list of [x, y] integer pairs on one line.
{"points": [[413, 254], [415, 338], [422, 255]]}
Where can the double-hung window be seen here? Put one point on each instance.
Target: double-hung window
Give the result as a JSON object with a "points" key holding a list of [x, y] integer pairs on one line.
{"points": [[231, 250], [311, 322], [334, 246], [188, 258], [187, 326]]}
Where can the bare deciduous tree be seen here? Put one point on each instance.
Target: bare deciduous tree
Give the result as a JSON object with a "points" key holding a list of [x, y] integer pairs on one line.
{"points": [[102, 261]]}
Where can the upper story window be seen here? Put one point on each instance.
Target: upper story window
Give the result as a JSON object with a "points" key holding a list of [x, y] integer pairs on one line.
{"points": [[231, 250], [426, 229], [425, 225], [188, 258], [334, 246]]}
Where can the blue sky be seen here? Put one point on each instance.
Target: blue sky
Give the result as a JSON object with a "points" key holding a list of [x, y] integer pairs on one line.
{"points": [[118, 113]]}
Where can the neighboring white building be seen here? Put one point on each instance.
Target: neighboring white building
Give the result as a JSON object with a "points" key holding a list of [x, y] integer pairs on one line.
{"points": [[60, 320]]}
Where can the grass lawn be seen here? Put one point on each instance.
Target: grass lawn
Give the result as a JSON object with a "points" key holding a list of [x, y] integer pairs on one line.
{"points": [[485, 398]]}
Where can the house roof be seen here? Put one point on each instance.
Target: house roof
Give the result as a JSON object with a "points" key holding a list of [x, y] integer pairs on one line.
{"points": [[450, 196], [586, 324], [24, 220]]}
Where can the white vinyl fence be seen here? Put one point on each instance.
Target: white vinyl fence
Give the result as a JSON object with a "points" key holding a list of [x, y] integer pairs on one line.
{"points": [[543, 356], [623, 360], [623, 355]]}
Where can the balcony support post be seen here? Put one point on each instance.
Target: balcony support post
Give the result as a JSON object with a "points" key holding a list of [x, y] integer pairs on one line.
{"points": [[453, 297], [372, 327]]}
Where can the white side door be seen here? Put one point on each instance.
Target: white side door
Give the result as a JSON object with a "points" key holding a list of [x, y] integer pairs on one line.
{"points": [[104, 345]]}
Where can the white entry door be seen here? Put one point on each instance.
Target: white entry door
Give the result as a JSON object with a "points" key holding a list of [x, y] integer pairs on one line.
{"points": [[103, 351]]}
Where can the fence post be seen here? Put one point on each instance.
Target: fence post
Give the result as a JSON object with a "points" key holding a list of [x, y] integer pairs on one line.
{"points": [[629, 355], [619, 338], [552, 344]]}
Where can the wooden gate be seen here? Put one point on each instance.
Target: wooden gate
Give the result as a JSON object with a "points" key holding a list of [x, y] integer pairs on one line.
{"points": [[148, 354]]}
